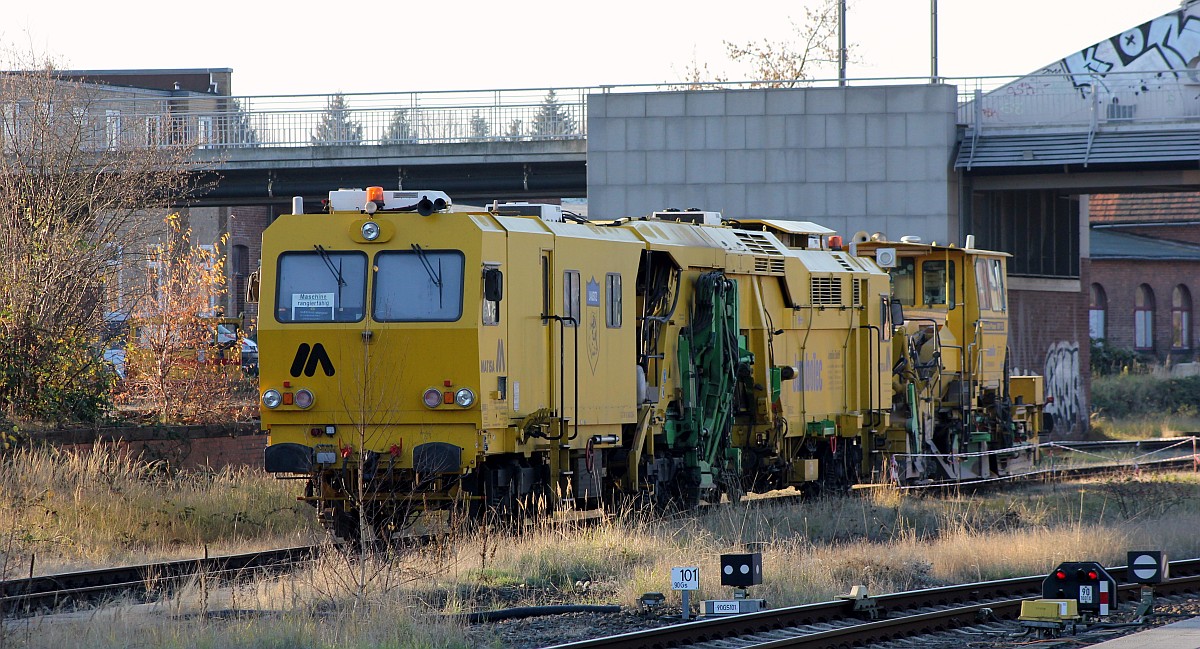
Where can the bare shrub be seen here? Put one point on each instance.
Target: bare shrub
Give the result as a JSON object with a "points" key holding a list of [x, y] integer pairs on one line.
{"points": [[175, 368], [78, 185]]}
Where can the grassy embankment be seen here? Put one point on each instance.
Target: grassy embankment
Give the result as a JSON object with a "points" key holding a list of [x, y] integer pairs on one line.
{"points": [[1131, 406], [65, 511], [103, 509]]}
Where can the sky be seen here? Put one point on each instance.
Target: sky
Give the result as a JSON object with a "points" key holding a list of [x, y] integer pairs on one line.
{"points": [[290, 48]]}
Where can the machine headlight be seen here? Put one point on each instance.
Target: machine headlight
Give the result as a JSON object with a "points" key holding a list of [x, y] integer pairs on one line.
{"points": [[304, 399], [272, 398], [370, 230], [464, 397], [432, 398]]}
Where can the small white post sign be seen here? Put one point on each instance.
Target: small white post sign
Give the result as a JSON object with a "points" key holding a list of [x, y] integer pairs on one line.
{"points": [[685, 579]]}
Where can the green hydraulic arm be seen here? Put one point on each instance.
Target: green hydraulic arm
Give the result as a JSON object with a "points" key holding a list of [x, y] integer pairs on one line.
{"points": [[712, 358]]}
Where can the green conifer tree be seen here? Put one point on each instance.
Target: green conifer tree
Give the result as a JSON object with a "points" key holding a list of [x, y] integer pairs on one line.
{"points": [[337, 127]]}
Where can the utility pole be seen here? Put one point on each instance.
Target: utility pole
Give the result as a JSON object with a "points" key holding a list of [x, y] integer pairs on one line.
{"points": [[842, 42], [933, 71]]}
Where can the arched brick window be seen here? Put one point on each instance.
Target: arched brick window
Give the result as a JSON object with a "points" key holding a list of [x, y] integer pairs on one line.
{"points": [[1143, 318], [1097, 312], [239, 259], [1181, 318]]}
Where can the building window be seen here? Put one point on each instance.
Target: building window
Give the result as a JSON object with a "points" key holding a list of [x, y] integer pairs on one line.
{"points": [[239, 260], [115, 297], [613, 289], [1143, 318], [1040, 228], [112, 128], [154, 130], [1181, 318], [204, 131], [1097, 308]]}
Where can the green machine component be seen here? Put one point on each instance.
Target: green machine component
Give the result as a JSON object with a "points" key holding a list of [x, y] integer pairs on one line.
{"points": [[822, 428], [713, 359]]}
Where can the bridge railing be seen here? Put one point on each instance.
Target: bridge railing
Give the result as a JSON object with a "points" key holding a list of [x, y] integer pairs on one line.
{"points": [[216, 122], [1074, 101]]}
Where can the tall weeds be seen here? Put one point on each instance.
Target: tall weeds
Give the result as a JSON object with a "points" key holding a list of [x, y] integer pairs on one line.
{"points": [[812, 551], [106, 506]]}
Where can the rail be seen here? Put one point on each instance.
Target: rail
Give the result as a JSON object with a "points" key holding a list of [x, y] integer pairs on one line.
{"points": [[1069, 458], [835, 624], [40, 593]]}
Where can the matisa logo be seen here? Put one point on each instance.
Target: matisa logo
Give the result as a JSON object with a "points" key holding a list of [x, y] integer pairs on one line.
{"points": [[307, 359]]}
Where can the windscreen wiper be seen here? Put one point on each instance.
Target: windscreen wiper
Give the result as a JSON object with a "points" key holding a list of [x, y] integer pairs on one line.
{"points": [[337, 271], [435, 276]]}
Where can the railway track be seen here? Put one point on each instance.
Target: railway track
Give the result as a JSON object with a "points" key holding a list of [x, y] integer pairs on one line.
{"points": [[902, 615], [53, 592], [1170, 454]]}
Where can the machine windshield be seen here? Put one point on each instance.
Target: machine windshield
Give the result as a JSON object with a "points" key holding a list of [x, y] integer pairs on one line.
{"points": [[904, 281], [937, 283], [418, 285], [321, 286]]}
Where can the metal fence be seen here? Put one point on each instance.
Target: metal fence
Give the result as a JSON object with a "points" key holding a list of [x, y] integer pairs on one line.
{"points": [[211, 122], [215, 122], [1088, 101]]}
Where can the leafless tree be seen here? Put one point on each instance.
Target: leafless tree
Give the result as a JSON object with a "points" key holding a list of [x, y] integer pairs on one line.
{"points": [[81, 184], [780, 64]]}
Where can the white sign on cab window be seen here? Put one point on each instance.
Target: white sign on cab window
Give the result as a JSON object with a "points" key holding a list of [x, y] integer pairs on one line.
{"points": [[686, 578], [312, 300], [312, 306]]}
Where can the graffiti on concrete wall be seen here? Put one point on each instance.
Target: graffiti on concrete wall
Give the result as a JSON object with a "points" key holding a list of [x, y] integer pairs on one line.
{"points": [[1064, 387], [1170, 42], [1151, 71]]}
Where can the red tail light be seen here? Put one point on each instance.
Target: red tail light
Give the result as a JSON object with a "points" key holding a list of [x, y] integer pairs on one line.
{"points": [[432, 398]]}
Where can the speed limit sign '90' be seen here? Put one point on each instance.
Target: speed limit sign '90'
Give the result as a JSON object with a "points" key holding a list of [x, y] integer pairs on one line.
{"points": [[687, 578]]}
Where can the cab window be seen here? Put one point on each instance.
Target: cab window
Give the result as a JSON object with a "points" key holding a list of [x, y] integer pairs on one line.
{"points": [[613, 308], [571, 297], [491, 308], [321, 286], [418, 285], [904, 281], [982, 285], [937, 282], [997, 285]]}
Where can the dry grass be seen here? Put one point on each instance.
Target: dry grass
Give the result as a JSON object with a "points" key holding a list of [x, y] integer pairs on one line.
{"points": [[1143, 427], [105, 507], [811, 552]]}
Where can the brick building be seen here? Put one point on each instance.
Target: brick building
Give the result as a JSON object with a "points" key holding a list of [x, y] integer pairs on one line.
{"points": [[1145, 270], [193, 106]]}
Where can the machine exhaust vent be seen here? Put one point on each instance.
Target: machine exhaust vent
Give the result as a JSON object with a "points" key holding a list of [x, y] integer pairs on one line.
{"points": [[758, 243], [772, 265], [826, 291], [841, 259]]}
